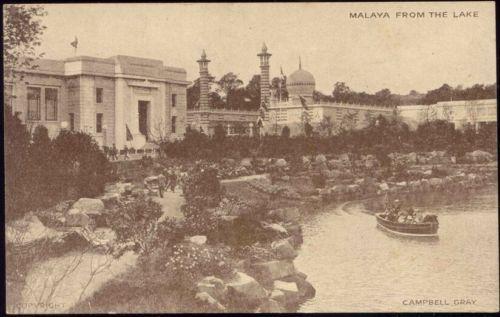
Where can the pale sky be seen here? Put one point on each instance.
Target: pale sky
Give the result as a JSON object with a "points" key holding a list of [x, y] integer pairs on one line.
{"points": [[367, 54]]}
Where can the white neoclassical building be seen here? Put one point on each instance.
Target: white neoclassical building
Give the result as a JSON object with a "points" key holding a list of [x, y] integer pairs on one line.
{"points": [[121, 100]]}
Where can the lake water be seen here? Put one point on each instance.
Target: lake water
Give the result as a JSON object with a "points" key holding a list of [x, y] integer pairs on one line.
{"points": [[356, 267]]}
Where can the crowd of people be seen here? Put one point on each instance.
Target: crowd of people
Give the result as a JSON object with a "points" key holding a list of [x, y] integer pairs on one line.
{"points": [[395, 213], [166, 179]]}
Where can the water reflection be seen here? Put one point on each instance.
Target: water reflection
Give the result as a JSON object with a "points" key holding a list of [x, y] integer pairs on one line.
{"points": [[357, 267]]}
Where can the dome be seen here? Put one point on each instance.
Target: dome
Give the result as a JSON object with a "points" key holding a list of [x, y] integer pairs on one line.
{"points": [[300, 82], [301, 76]]}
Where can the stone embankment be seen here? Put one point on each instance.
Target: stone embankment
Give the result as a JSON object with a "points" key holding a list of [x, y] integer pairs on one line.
{"points": [[264, 285]]}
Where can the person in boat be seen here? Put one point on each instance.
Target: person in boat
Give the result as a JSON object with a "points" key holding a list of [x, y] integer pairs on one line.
{"points": [[418, 216]]}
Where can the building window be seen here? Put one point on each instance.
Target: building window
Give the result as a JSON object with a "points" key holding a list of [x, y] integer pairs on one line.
{"points": [[50, 104], [174, 119], [72, 122], [34, 103], [174, 100], [98, 95], [98, 123]]}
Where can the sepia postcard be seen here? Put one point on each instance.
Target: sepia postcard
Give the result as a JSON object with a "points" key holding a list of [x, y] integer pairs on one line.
{"points": [[250, 157]]}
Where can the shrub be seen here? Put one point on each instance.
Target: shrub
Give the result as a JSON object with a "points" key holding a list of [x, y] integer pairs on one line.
{"points": [[202, 187], [186, 263], [136, 221], [39, 172], [84, 165]]}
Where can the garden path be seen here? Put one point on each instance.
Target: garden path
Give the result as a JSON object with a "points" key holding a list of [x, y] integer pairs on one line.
{"points": [[171, 204]]}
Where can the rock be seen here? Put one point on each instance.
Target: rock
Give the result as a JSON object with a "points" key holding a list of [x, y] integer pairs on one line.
{"points": [[285, 178], [320, 158], [354, 188], [77, 218], [246, 162], [274, 227], [286, 286], [281, 163], [27, 230], [270, 306], [211, 302], [435, 182], [137, 192], [245, 289], [428, 172], [479, 156], [306, 290], [213, 286], [273, 270], [415, 185], [339, 189], [412, 158], [283, 249], [285, 214], [471, 176], [199, 240], [305, 160], [383, 186], [344, 157], [278, 296], [402, 184], [110, 199], [453, 159], [293, 229], [289, 289], [89, 206], [301, 275]]}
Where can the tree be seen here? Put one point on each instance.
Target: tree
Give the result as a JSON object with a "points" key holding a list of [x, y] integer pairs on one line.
{"points": [[252, 93], [22, 29], [227, 85], [193, 95], [17, 163], [341, 92], [278, 84]]}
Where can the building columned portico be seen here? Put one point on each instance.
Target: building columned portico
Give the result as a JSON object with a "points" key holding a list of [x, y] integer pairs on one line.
{"points": [[121, 100]]}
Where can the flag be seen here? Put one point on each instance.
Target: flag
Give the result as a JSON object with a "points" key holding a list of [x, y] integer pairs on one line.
{"points": [[75, 43], [303, 102], [129, 134]]}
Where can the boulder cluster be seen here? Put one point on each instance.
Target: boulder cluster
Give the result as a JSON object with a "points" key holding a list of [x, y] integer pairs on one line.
{"points": [[264, 285]]}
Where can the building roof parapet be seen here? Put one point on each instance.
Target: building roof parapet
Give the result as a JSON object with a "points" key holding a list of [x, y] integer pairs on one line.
{"points": [[225, 111]]}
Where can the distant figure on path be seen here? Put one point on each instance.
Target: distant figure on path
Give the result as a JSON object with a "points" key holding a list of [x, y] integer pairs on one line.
{"points": [[173, 180], [125, 153], [114, 153], [162, 183]]}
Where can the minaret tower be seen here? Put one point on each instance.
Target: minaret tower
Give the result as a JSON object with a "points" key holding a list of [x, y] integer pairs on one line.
{"points": [[204, 78], [265, 94]]}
